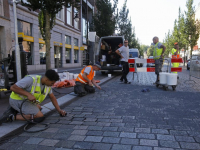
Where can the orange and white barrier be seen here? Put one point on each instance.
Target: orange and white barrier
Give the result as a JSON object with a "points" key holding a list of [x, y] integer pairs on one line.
{"points": [[133, 67]]}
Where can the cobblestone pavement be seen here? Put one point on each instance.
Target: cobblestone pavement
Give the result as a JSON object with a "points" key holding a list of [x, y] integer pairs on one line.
{"points": [[122, 118]]}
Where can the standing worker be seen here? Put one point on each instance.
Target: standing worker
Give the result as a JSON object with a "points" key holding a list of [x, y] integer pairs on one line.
{"points": [[85, 80], [175, 54], [158, 52], [35, 88], [123, 52]]}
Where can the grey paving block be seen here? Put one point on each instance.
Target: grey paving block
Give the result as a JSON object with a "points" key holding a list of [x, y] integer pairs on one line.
{"points": [[117, 124], [90, 119], [19, 139], [95, 128], [65, 144], [121, 147], [103, 120], [79, 132], [80, 127], [94, 133], [49, 142], [186, 145], [160, 148], [52, 130], [130, 141], [41, 147], [148, 142], [111, 134], [116, 120], [185, 139], [175, 132], [93, 138], [109, 128], [142, 130], [83, 145], [141, 148], [125, 129], [76, 122], [165, 137], [61, 136], [145, 136], [47, 135], [128, 135], [106, 124], [101, 146], [76, 138], [89, 123], [63, 149], [169, 144], [160, 131], [33, 140], [110, 140]]}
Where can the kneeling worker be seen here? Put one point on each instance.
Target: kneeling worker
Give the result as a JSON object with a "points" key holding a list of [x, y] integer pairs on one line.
{"points": [[85, 80], [34, 88]]}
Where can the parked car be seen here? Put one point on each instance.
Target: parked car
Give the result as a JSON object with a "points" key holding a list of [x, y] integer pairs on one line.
{"points": [[195, 62], [151, 64], [134, 53]]}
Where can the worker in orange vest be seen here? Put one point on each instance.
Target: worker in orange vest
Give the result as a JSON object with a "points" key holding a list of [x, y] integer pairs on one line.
{"points": [[175, 54], [85, 80]]}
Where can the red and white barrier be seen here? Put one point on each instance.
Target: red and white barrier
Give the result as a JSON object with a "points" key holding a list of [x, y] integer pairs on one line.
{"points": [[133, 68]]}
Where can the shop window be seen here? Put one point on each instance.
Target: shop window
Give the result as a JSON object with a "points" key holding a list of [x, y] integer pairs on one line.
{"points": [[75, 42], [28, 48], [24, 27], [76, 56], [67, 40], [42, 51], [68, 55], [69, 15]]}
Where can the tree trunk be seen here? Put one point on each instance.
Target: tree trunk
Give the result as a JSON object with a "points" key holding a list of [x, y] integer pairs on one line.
{"points": [[47, 41]]}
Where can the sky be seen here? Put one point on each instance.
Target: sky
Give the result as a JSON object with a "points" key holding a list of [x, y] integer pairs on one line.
{"points": [[154, 17]]}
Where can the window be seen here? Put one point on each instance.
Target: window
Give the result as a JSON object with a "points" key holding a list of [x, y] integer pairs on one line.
{"points": [[69, 15], [67, 40], [42, 51], [76, 24], [85, 30], [76, 56], [59, 14], [75, 42], [68, 55], [24, 27], [1, 8], [27, 47]]}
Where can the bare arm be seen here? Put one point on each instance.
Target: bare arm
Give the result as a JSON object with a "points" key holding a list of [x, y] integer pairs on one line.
{"points": [[55, 103], [21, 91], [95, 84], [118, 53]]}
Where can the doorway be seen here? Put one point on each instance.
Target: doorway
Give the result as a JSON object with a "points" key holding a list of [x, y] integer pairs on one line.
{"points": [[58, 56]]}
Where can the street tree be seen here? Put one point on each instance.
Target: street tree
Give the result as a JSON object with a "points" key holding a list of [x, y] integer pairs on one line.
{"points": [[106, 17], [192, 26], [47, 15], [150, 51]]}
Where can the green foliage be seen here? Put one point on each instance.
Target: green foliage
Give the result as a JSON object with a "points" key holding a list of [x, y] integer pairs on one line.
{"points": [[105, 19], [150, 51], [143, 48]]}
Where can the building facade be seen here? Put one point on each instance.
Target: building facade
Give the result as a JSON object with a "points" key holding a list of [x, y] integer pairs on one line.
{"points": [[67, 40]]}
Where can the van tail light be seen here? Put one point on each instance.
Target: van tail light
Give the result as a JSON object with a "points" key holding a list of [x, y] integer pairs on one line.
{"points": [[197, 62]]}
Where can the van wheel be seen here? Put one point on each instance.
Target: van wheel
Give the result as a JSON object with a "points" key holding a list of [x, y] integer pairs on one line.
{"points": [[103, 72]]}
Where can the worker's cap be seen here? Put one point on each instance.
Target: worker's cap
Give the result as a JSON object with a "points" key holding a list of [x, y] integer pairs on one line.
{"points": [[176, 43], [98, 65]]}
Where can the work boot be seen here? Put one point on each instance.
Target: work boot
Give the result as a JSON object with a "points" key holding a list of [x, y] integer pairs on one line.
{"points": [[8, 115]]}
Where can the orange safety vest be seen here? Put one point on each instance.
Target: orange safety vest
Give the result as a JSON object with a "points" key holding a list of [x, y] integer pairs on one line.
{"points": [[90, 76], [175, 56]]}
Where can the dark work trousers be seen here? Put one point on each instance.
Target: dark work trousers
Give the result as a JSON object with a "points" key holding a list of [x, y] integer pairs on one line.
{"points": [[82, 89], [125, 70]]}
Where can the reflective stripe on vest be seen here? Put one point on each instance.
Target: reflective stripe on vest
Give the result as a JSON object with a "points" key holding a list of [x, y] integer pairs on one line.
{"points": [[35, 90], [157, 52], [90, 76], [175, 56]]}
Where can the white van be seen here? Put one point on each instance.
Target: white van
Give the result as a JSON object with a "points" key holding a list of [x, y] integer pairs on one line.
{"points": [[134, 53], [106, 54]]}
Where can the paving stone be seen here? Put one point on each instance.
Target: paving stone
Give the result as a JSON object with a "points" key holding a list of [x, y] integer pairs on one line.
{"points": [[94, 133], [52, 130], [76, 138], [117, 124], [109, 128], [65, 144], [169, 144], [83, 145], [62, 149], [145, 136], [142, 130], [160, 131], [148, 142], [121, 147], [90, 119], [141, 148], [19, 139], [116, 120], [80, 127], [106, 124], [125, 129], [76, 122], [110, 140], [165, 137], [101, 146], [61, 136], [175, 132], [190, 145], [160, 148], [79, 132], [130, 141], [89, 123], [111, 134], [128, 135], [103, 120], [49, 142], [185, 139], [33, 140], [93, 138], [95, 128]]}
